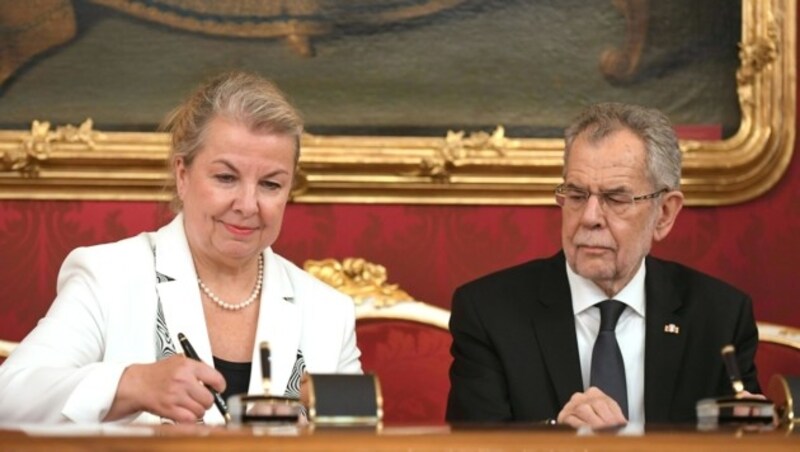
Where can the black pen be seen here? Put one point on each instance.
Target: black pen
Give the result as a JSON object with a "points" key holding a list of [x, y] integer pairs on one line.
{"points": [[729, 358], [266, 367], [190, 353]]}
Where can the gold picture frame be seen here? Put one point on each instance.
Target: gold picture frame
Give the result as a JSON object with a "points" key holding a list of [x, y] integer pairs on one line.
{"points": [[81, 163]]}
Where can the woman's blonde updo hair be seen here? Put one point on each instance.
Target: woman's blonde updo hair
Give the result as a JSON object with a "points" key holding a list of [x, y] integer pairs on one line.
{"points": [[241, 97]]}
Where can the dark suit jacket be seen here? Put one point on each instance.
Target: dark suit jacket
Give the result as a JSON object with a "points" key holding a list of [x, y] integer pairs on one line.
{"points": [[516, 354]]}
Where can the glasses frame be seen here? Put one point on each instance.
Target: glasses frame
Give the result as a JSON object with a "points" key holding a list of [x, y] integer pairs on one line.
{"points": [[603, 197]]}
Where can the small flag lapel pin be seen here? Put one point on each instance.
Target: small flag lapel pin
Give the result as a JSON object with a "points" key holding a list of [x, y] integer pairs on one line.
{"points": [[671, 328]]}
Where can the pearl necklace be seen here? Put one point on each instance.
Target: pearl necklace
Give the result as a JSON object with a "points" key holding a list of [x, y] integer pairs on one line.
{"points": [[235, 307]]}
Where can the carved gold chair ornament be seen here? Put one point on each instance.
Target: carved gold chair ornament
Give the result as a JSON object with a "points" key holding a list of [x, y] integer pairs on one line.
{"points": [[374, 298]]}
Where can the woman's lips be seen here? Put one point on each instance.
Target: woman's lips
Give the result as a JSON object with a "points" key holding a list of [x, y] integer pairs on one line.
{"points": [[239, 230]]}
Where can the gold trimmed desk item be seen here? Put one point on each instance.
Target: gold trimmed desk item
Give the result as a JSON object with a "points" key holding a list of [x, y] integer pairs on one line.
{"points": [[345, 400]]}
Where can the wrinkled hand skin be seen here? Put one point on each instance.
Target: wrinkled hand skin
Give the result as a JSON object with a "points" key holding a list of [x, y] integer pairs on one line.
{"points": [[172, 388], [592, 408]]}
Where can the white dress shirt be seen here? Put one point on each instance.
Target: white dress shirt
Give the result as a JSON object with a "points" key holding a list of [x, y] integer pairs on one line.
{"points": [[630, 332]]}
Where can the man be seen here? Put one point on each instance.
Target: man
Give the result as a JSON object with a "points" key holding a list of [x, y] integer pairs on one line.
{"points": [[526, 340]]}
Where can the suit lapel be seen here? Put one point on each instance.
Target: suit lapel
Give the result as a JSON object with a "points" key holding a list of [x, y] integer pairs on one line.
{"points": [[554, 324], [278, 324], [179, 294], [663, 347]]}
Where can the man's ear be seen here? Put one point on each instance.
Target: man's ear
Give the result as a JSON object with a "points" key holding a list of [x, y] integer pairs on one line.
{"points": [[671, 204]]}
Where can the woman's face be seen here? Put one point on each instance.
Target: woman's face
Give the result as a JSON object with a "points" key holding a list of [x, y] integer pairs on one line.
{"points": [[235, 192]]}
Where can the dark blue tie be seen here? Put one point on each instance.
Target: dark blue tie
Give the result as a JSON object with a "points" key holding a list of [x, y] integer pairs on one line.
{"points": [[608, 369]]}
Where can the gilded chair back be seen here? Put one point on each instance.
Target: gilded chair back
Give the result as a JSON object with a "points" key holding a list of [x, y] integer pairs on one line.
{"points": [[778, 352], [403, 341]]}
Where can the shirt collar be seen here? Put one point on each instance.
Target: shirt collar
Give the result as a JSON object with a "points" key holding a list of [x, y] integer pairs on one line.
{"points": [[586, 293]]}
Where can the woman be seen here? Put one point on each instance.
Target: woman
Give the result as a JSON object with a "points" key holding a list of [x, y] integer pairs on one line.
{"points": [[106, 350]]}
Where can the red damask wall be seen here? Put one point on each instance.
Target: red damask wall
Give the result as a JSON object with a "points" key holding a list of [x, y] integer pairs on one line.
{"points": [[428, 250]]}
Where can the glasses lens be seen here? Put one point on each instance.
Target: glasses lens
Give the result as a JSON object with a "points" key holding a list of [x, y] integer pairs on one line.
{"points": [[571, 197], [617, 202]]}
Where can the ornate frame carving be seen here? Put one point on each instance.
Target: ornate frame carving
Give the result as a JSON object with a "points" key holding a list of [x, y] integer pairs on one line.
{"points": [[70, 162]]}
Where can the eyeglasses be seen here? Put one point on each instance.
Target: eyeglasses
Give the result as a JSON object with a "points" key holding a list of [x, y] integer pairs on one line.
{"points": [[574, 198]]}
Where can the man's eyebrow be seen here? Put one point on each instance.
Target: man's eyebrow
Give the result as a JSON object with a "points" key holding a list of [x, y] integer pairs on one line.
{"points": [[617, 189]]}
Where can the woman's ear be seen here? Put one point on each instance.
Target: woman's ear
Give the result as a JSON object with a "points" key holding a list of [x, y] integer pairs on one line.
{"points": [[671, 204], [181, 176]]}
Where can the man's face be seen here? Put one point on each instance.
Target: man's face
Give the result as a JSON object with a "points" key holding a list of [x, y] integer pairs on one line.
{"points": [[607, 246]]}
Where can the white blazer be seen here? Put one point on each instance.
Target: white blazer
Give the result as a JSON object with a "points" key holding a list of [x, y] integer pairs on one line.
{"points": [[104, 319]]}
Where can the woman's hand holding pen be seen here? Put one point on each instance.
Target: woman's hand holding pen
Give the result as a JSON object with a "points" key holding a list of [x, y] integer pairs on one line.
{"points": [[171, 388]]}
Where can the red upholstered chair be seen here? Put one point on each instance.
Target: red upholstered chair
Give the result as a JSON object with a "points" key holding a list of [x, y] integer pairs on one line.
{"points": [[403, 341], [408, 346], [778, 352]]}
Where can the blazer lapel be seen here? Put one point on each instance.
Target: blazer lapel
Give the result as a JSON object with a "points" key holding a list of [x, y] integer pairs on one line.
{"points": [[279, 324], [665, 341], [179, 294], [554, 324]]}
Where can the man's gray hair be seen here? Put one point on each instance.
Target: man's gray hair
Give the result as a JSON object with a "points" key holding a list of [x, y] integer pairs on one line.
{"points": [[663, 154]]}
